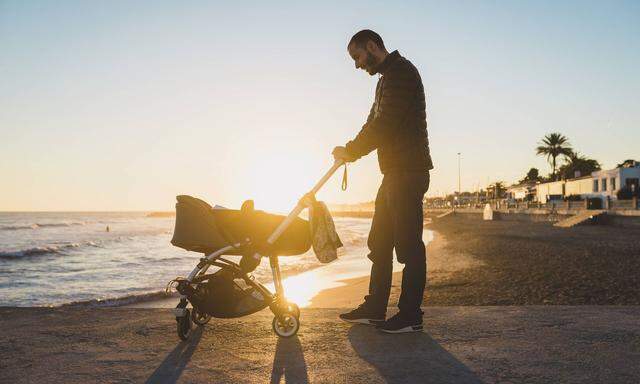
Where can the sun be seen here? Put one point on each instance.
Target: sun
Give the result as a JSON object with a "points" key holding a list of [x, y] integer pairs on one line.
{"points": [[277, 181]]}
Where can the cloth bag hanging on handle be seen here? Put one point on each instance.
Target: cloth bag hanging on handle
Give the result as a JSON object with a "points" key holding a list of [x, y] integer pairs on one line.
{"points": [[324, 238]]}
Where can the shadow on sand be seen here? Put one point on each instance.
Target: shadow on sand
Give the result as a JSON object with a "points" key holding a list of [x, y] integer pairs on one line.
{"points": [[409, 357], [175, 362], [288, 362]]}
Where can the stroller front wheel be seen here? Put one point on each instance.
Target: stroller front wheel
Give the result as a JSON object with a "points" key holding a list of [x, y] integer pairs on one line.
{"points": [[199, 318], [184, 326], [285, 325]]}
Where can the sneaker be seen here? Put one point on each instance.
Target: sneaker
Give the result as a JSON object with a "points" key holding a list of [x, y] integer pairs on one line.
{"points": [[401, 324], [363, 315]]}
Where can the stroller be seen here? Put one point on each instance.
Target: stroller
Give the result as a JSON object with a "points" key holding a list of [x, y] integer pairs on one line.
{"points": [[231, 291]]}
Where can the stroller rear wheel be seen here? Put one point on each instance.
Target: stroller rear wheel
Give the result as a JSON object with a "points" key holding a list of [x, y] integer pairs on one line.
{"points": [[285, 325], [184, 326], [199, 318]]}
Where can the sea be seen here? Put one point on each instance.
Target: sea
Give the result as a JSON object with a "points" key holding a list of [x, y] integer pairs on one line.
{"points": [[119, 258]]}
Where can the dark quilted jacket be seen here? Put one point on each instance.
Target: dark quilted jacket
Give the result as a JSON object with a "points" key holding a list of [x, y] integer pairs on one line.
{"points": [[397, 122]]}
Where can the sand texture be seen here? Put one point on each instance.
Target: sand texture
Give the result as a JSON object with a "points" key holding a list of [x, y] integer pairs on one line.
{"points": [[535, 263]]}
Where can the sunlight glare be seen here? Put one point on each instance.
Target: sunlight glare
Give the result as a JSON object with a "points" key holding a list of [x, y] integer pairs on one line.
{"points": [[276, 180]]}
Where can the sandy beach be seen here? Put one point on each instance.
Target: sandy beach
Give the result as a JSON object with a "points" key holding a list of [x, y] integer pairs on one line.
{"points": [[535, 263]]}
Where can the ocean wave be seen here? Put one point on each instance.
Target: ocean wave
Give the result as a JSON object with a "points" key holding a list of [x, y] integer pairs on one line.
{"points": [[122, 300], [38, 251], [39, 225]]}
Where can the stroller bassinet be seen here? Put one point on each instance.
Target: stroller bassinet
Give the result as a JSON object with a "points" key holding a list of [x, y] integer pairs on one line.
{"points": [[202, 228]]}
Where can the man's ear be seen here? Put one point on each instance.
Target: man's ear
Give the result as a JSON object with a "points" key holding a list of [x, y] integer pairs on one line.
{"points": [[371, 47]]}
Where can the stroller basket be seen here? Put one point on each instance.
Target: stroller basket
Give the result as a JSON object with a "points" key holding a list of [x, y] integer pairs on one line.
{"points": [[226, 294], [201, 228]]}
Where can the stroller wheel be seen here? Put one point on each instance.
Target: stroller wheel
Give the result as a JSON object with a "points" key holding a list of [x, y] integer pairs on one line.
{"points": [[199, 318], [285, 325], [184, 326]]}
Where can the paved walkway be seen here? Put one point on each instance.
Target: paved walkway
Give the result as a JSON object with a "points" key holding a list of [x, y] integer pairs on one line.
{"points": [[459, 345]]}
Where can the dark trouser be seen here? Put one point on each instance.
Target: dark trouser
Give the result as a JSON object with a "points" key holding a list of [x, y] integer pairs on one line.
{"points": [[397, 223]]}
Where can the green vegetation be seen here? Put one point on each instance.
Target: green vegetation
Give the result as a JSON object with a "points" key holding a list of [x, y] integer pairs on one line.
{"points": [[626, 193], [496, 190], [532, 176], [575, 163], [552, 146]]}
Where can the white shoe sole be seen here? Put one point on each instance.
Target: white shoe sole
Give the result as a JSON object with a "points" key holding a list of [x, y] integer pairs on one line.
{"points": [[411, 328], [361, 321]]}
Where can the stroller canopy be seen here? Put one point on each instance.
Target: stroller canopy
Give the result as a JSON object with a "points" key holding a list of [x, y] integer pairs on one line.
{"points": [[201, 228]]}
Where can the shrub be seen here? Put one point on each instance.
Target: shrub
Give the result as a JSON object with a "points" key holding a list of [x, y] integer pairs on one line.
{"points": [[625, 193]]}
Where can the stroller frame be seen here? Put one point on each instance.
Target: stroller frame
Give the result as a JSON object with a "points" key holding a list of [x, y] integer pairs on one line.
{"points": [[286, 321]]}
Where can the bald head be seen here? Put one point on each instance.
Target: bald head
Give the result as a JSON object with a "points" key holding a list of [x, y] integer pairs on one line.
{"points": [[367, 50]]}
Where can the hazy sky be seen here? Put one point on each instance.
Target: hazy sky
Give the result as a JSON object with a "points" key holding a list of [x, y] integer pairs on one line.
{"points": [[123, 105]]}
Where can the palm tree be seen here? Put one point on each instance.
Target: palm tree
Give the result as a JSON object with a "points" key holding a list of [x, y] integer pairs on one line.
{"points": [[497, 189], [576, 162], [552, 146]]}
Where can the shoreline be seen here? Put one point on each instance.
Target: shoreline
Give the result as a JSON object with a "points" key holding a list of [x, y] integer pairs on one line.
{"points": [[476, 262], [349, 292], [342, 283], [441, 266]]}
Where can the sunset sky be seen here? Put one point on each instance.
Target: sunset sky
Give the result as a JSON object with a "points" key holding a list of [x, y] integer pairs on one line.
{"points": [[120, 105]]}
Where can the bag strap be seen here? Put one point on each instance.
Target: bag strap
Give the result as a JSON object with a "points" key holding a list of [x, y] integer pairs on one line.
{"points": [[344, 178]]}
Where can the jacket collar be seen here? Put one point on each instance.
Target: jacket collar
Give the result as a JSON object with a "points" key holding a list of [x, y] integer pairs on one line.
{"points": [[386, 63]]}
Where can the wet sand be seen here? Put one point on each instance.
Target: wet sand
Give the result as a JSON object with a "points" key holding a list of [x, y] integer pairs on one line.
{"points": [[441, 266]]}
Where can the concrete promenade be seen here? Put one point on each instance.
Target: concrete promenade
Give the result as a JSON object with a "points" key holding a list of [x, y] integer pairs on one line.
{"points": [[530, 344]]}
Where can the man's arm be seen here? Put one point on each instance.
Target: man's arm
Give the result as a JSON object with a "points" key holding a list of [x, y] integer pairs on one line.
{"points": [[340, 153], [397, 95]]}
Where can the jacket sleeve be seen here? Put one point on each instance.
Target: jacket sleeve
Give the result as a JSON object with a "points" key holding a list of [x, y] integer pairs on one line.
{"points": [[397, 94]]}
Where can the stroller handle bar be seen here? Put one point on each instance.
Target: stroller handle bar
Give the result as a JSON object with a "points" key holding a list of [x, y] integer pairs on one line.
{"points": [[300, 206]]}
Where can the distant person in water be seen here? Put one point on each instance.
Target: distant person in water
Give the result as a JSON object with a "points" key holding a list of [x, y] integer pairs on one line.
{"points": [[108, 229], [397, 128]]}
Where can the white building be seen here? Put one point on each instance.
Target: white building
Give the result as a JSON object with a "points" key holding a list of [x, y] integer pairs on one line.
{"points": [[607, 183], [550, 191], [521, 191], [581, 186], [599, 184]]}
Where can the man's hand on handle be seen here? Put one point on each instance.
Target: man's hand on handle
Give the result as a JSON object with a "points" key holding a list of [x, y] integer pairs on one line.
{"points": [[340, 154]]}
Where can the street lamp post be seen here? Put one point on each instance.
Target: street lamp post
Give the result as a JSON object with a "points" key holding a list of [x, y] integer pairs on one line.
{"points": [[459, 191]]}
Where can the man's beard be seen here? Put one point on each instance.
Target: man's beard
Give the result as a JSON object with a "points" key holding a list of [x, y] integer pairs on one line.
{"points": [[371, 64]]}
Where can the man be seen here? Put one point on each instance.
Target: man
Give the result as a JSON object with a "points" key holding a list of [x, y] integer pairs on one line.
{"points": [[397, 129]]}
